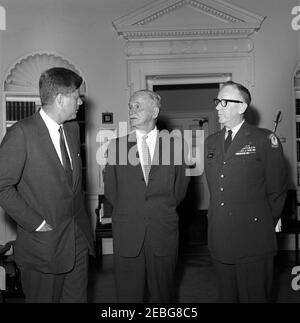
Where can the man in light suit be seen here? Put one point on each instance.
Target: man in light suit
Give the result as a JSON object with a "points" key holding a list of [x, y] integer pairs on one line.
{"points": [[40, 188], [144, 194], [247, 179]]}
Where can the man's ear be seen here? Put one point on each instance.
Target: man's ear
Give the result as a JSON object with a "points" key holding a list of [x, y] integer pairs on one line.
{"points": [[59, 99], [155, 112], [243, 108]]}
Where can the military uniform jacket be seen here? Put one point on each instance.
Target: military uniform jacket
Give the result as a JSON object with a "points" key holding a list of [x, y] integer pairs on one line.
{"points": [[248, 186], [139, 208]]}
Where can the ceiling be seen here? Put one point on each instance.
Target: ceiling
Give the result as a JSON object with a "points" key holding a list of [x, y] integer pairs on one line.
{"points": [[124, 6]]}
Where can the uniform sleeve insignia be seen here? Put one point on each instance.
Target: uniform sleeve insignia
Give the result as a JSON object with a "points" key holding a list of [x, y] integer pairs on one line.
{"points": [[274, 140]]}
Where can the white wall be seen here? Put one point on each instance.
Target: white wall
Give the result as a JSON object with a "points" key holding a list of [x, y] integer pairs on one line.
{"points": [[82, 32], [276, 57]]}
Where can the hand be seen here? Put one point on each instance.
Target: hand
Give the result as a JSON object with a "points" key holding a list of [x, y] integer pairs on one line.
{"points": [[278, 226], [45, 227]]}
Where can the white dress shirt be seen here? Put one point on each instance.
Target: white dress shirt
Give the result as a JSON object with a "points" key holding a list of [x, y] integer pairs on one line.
{"points": [[234, 130], [53, 129]]}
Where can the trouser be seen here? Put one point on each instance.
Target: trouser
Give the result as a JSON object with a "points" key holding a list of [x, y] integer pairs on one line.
{"points": [[245, 282], [70, 287], [131, 275]]}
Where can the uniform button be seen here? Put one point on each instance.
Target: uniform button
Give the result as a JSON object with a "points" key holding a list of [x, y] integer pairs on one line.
{"points": [[222, 204], [222, 189], [224, 163], [222, 176], [255, 219]]}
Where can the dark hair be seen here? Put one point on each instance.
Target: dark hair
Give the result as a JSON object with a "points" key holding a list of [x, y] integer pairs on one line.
{"points": [[244, 92], [57, 80], [155, 97]]}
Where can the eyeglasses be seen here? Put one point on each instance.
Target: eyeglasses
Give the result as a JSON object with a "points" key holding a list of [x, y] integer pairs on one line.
{"points": [[225, 101]]}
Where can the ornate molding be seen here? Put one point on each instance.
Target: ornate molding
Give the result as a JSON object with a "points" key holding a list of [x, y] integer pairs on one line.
{"points": [[192, 3], [141, 69], [186, 47], [203, 33], [225, 21], [24, 75]]}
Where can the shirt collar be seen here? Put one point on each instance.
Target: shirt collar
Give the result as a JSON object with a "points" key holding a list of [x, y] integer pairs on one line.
{"points": [[235, 129], [150, 135], [50, 123]]}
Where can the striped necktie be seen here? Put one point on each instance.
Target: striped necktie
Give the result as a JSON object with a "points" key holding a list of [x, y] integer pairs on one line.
{"points": [[146, 158]]}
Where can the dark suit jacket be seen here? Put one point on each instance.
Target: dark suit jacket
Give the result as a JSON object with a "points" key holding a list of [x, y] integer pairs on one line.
{"points": [[248, 186], [33, 188], [137, 207]]}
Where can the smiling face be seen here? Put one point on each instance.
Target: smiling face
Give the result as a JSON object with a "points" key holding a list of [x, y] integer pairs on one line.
{"points": [[231, 115], [142, 112]]}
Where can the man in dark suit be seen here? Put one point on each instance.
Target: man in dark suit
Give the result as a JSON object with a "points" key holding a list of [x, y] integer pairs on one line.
{"points": [[247, 178], [144, 189], [40, 188]]}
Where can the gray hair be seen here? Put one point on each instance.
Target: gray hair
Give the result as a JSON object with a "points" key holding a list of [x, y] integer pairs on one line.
{"points": [[244, 92], [156, 98]]}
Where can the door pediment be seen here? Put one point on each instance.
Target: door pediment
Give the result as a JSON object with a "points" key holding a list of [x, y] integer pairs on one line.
{"points": [[187, 19]]}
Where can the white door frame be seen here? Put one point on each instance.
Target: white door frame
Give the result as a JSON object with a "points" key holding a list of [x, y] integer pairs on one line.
{"points": [[144, 73]]}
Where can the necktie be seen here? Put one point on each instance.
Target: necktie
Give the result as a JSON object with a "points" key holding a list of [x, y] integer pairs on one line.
{"points": [[228, 140], [65, 157], [146, 158]]}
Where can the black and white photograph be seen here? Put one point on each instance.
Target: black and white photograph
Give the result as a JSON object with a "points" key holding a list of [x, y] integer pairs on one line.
{"points": [[149, 154]]}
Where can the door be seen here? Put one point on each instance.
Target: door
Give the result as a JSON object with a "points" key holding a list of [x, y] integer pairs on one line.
{"points": [[198, 190]]}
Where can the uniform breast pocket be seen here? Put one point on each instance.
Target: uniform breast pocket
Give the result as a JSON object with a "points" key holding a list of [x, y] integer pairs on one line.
{"points": [[252, 166], [251, 160]]}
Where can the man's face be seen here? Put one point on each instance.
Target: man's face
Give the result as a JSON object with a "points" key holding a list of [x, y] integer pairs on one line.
{"points": [[71, 105], [230, 115], [142, 112]]}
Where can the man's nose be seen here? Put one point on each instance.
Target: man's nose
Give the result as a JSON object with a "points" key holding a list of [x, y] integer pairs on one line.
{"points": [[218, 106]]}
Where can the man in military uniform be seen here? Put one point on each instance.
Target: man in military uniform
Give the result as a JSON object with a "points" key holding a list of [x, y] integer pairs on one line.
{"points": [[247, 178]]}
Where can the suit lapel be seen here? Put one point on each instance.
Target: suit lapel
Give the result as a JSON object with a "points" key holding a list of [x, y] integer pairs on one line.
{"points": [[131, 142], [71, 140], [156, 160], [46, 142]]}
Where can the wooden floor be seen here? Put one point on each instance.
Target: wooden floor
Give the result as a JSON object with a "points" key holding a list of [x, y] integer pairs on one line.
{"points": [[195, 282]]}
